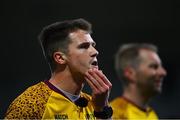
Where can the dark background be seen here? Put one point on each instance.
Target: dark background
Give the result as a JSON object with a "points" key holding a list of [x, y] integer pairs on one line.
{"points": [[114, 22]]}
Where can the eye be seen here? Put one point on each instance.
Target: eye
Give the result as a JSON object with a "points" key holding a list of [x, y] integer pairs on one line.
{"points": [[154, 66], [84, 45]]}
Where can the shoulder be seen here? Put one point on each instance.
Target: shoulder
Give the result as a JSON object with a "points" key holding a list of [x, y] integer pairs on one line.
{"points": [[151, 112], [35, 93], [30, 103], [40, 90], [120, 107], [119, 102]]}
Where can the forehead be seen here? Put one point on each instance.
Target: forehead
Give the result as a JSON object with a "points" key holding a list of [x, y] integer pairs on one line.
{"points": [[80, 36], [149, 56]]}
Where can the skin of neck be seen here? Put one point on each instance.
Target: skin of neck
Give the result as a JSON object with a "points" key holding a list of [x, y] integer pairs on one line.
{"points": [[68, 82], [132, 94]]}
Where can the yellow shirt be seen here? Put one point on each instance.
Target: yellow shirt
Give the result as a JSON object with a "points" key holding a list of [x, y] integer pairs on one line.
{"points": [[41, 101], [124, 109]]}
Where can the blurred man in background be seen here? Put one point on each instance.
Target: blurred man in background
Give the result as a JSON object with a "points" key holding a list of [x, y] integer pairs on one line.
{"points": [[140, 70]]}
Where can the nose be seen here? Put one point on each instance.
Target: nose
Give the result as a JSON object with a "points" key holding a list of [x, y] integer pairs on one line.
{"points": [[162, 71], [94, 52]]}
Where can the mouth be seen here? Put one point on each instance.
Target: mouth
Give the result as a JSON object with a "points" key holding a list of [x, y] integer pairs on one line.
{"points": [[159, 82], [95, 64]]}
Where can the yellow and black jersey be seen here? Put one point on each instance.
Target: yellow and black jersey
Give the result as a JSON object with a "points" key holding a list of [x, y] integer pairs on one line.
{"points": [[125, 109], [44, 101]]}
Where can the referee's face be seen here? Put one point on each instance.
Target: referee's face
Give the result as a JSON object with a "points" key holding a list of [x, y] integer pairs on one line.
{"points": [[82, 54]]}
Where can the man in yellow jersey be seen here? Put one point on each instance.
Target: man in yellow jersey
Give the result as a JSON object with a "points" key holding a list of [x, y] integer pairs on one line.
{"points": [[140, 70], [72, 57]]}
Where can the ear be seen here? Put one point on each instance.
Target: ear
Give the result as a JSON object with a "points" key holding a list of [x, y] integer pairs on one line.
{"points": [[130, 73], [59, 57]]}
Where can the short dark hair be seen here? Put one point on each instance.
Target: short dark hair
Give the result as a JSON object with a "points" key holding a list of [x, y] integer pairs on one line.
{"points": [[55, 37], [128, 55]]}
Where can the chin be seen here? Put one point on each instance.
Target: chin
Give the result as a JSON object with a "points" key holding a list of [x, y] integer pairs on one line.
{"points": [[158, 90]]}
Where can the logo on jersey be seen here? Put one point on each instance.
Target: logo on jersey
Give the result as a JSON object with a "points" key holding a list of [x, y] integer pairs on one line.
{"points": [[61, 116]]}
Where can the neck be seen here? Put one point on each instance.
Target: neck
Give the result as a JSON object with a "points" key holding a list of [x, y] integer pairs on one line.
{"points": [[134, 96], [66, 82]]}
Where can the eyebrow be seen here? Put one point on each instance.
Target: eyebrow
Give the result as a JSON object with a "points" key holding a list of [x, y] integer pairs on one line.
{"points": [[84, 43]]}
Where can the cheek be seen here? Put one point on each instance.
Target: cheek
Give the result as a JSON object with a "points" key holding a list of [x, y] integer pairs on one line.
{"points": [[145, 77], [79, 60], [148, 72], [75, 56]]}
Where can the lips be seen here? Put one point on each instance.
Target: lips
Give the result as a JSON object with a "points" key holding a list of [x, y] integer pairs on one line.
{"points": [[94, 64], [158, 82]]}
